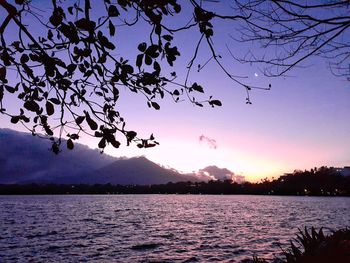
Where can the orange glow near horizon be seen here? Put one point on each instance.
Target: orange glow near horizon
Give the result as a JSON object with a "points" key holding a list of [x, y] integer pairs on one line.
{"points": [[253, 158]]}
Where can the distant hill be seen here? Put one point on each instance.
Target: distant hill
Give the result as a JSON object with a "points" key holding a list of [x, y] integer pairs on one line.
{"points": [[137, 170], [27, 159]]}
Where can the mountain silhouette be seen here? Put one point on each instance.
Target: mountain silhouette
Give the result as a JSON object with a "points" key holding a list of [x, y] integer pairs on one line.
{"points": [[27, 159], [137, 170]]}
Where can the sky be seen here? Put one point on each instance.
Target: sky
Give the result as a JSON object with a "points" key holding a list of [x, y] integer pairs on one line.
{"points": [[301, 123]]}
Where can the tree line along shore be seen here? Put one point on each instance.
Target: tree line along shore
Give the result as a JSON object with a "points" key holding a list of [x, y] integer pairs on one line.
{"points": [[322, 181]]}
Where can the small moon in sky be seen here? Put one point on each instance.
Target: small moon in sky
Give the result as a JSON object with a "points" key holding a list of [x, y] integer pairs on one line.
{"points": [[256, 74]]}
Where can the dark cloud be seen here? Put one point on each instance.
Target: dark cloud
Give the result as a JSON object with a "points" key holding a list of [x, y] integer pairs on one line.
{"points": [[24, 157], [215, 173], [209, 141]]}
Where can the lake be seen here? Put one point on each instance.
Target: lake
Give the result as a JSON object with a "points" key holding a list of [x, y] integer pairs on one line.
{"points": [[158, 228]]}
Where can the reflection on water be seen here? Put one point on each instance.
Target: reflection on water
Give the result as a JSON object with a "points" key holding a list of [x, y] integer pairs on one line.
{"points": [[158, 228]]}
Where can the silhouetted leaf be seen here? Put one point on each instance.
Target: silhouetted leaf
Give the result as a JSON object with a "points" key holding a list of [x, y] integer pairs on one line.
{"points": [[48, 130], [15, 119], [55, 101], [113, 11], [102, 59], [92, 124], [177, 8], [148, 60], [70, 32], [167, 37], [198, 88], [122, 3], [147, 90], [104, 41], [24, 118], [131, 135], [155, 105], [115, 94], [34, 57], [70, 10], [152, 51], [142, 47], [85, 24], [149, 145], [2, 73], [156, 67], [70, 144], [57, 16], [111, 28], [98, 69], [102, 143], [31, 106], [98, 134], [128, 69], [1, 93], [171, 53], [79, 119], [215, 102], [24, 58], [55, 148], [49, 108], [115, 143], [71, 68], [139, 60], [10, 89], [49, 34]]}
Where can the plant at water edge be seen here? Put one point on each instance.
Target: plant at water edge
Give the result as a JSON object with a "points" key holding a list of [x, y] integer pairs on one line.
{"points": [[312, 246]]}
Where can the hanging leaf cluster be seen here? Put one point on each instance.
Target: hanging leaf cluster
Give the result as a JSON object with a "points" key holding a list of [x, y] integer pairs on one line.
{"points": [[68, 72]]}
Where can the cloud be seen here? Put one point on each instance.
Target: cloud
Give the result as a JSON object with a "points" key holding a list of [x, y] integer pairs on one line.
{"points": [[209, 141], [215, 173]]}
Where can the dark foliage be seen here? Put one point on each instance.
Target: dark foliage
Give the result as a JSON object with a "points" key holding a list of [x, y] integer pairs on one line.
{"points": [[312, 246], [317, 182], [63, 67]]}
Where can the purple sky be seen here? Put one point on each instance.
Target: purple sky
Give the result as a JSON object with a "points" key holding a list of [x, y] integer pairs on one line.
{"points": [[300, 123]]}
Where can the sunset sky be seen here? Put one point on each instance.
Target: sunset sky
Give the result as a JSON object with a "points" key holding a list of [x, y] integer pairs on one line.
{"points": [[299, 124], [302, 122]]}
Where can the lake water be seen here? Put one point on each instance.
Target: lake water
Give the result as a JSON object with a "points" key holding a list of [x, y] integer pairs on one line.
{"points": [[158, 228]]}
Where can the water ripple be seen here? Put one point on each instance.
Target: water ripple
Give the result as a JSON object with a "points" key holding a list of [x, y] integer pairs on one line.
{"points": [[158, 228]]}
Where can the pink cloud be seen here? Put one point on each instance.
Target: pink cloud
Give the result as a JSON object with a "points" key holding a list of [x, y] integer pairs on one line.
{"points": [[215, 173]]}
